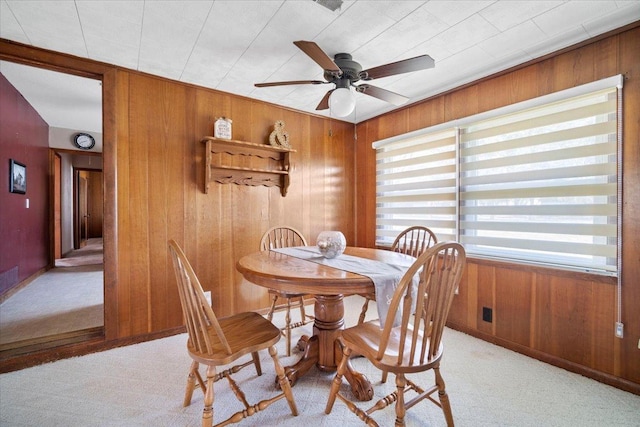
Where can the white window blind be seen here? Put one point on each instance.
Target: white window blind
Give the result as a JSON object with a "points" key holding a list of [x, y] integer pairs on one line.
{"points": [[538, 181], [541, 184], [416, 185]]}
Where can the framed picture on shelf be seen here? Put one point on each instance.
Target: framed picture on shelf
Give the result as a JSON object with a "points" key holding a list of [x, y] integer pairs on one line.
{"points": [[17, 177]]}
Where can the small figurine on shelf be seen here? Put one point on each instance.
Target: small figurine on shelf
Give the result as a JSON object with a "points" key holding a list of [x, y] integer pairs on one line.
{"points": [[279, 137], [222, 128]]}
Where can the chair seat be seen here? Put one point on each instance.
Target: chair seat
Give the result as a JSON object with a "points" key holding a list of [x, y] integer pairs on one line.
{"points": [[246, 333], [365, 339]]}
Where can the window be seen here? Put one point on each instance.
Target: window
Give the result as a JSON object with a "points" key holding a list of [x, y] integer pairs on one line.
{"points": [[416, 185], [537, 182]]}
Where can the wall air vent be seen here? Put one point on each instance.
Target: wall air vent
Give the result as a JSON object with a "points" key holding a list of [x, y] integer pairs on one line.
{"points": [[332, 5]]}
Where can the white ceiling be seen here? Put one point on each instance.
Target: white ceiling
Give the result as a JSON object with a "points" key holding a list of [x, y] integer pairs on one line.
{"points": [[230, 45], [62, 100]]}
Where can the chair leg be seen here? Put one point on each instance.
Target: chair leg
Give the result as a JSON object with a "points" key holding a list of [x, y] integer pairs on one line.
{"points": [[207, 412], [363, 313], [303, 315], [256, 362], [283, 381], [444, 398], [191, 384], [337, 380], [287, 326], [273, 308], [401, 383]]}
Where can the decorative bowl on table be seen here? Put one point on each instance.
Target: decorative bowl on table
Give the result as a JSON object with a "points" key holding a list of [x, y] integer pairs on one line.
{"points": [[331, 243]]}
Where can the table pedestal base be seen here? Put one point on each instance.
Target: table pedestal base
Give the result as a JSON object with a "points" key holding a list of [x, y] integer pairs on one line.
{"points": [[306, 362], [329, 314]]}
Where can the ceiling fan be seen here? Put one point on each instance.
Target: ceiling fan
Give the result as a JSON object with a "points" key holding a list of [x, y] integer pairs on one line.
{"points": [[343, 72]]}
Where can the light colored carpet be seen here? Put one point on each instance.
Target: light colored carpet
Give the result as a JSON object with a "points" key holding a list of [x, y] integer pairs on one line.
{"points": [[143, 385], [61, 300], [91, 254]]}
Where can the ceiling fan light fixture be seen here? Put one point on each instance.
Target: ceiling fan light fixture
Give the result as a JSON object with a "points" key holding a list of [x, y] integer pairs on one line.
{"points": [[343, 72], [342, 102]]}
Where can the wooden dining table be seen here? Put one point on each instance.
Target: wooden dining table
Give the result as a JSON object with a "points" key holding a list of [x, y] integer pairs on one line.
{"points": [[329, 286]]}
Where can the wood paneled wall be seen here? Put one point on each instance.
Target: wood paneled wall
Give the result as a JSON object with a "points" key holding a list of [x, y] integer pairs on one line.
{"points": [[160, 195], [153, 166], [565, 319]]}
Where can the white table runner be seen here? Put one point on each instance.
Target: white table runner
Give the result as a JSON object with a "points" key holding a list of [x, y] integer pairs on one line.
{"points": [[385, 276]]}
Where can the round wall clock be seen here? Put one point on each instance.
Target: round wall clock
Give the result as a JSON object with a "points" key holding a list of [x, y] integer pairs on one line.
{"points": [[84, 141]]}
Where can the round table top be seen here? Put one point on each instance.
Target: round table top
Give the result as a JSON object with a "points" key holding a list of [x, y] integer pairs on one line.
{"points": [[282, 272]]}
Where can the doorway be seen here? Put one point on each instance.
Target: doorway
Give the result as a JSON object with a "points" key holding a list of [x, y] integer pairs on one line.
{"points": [[88, 197], [66, 303], [66, 163]]}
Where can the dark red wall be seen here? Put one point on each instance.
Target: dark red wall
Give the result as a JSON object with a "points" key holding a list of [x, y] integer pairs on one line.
{"points": [[24, 233]]}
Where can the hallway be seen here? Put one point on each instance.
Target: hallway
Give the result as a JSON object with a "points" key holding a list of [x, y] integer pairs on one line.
{"points": [[65, 299], [91, 254]]}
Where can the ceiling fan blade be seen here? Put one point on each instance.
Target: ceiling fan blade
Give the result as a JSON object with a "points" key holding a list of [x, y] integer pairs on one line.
{"points": [[318, 55], [324, 103], [292, 82], [405, 66], [385, 95]]}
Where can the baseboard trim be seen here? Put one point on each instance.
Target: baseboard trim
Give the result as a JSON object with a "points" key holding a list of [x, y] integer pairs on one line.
{"points": [[42, 343], [21, 285], [602, 377], [63, 349]]}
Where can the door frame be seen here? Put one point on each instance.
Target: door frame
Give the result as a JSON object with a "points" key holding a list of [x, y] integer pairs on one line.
{"points": [[56, 249], [108, 74]]}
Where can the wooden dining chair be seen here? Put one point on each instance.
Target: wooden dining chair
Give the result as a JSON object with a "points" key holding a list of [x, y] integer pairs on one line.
{"points": [[413, 242], [415, 344], [284, 237], [215, 342]]}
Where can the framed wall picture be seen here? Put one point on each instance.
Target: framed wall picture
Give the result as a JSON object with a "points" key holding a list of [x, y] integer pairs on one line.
{"points": [[17, 177]]}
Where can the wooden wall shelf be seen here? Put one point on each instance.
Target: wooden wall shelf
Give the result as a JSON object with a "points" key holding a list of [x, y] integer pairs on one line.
{"points": [[226, 160]]}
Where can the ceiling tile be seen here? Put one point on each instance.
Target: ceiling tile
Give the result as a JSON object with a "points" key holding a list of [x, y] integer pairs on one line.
{"points": [[627, 13], [112, 30], [230, 28], [354, 27], [467, 33], [9, 27], [169, 32], [554, 21], [507, 14], [512, 39], [454, 12], [396, 10], [50, 24], [454, 71], [559, 41], [393, 44]]}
